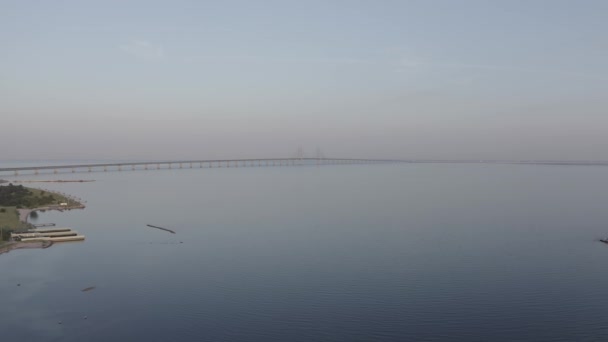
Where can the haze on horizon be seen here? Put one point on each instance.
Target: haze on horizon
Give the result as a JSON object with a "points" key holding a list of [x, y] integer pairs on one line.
{"points": [[234, 79]]}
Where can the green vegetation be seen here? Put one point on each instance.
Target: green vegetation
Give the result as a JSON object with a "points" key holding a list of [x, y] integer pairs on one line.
{"points": [[9, 217], [9, 221], [22, 197], [57, 197]]}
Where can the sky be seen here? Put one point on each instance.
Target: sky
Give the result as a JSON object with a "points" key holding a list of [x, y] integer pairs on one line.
{"points": [[431, 79]]}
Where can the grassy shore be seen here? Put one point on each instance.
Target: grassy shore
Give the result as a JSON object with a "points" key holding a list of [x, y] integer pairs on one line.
{"points": [[37, 193], [9, 217]]}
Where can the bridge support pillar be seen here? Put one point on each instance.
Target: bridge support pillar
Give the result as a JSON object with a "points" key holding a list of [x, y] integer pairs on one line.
{"points": [[158, 166], [16, 173], [119, 168], [89, 169], [133, 167]]}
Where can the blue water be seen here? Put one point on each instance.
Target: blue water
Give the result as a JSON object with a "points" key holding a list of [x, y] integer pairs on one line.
{"points": [[414, 252]]}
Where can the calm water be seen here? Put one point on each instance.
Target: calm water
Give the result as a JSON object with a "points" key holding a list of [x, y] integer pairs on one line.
{"points": [[333, 253]]}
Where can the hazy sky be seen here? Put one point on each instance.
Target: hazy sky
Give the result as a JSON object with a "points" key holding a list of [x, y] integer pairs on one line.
{"points": [[407, 79]]}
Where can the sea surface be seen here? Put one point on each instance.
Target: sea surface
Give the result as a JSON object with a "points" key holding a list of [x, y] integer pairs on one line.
{"points": [[403, 252]]}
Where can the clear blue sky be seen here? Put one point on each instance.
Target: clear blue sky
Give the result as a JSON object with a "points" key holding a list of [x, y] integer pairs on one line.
{"points": [[408, 79]]}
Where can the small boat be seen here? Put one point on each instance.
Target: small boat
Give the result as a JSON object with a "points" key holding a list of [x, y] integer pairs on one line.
{"points": [[604, 240]]}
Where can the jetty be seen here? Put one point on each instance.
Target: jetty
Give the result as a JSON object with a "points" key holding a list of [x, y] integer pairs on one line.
{"points": [[54, 235]]}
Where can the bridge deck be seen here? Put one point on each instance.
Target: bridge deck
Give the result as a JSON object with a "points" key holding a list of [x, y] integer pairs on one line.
{"points": [[205, 161]]}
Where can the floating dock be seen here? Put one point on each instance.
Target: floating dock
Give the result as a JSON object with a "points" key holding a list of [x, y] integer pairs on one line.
{"points": [[52, 230], [56, 239], [55, 235]]}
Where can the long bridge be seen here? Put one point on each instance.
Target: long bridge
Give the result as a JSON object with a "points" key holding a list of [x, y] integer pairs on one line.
{"points": [[259, 162], [181, 164]]}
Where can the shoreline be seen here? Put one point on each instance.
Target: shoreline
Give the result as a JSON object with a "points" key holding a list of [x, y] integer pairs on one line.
{"points": [[24, 214], [12, 245], [7, 246]]}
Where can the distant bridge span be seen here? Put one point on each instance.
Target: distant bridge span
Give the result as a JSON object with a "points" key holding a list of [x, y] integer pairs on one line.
{"points": [[208, 163]]}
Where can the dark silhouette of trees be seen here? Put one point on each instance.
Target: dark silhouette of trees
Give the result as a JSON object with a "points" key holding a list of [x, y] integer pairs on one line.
{"points": [[19, 196]]}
